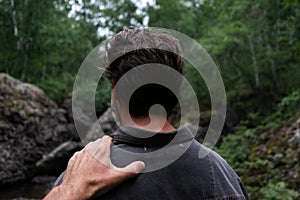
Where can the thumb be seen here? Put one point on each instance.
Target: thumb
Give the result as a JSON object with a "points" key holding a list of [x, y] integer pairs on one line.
{"points": [[134, 167]]}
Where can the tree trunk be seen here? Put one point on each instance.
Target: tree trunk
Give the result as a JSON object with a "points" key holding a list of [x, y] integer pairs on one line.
{"points": [[273, 67], [240, 70], [15, 24], [253, 56]]}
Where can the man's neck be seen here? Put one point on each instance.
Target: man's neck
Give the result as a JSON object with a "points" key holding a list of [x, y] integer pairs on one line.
{"points": [[155, 124]]}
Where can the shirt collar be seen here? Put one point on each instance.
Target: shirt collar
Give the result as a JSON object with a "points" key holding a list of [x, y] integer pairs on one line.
{"points": [[141, 137]]}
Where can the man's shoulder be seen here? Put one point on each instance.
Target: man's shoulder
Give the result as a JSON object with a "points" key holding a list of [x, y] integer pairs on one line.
{"points": [[225, 179], [215, 161], [192, 176]]}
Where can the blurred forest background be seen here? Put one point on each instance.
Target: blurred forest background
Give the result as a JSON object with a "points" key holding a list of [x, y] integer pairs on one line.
{"points": [[255, 43]]}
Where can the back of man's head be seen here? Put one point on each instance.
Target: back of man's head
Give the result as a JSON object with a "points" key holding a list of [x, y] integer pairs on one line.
{"points": [[135, 47]]}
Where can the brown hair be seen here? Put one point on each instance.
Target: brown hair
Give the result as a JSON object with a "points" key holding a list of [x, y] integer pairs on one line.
{"points": [[133, 47]]}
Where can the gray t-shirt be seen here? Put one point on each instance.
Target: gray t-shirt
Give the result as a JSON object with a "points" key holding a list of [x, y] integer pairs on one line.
{"points": [[187, 177]]}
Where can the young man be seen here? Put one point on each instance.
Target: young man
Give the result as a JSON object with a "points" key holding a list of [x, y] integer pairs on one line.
{"points": [[132, 55]]}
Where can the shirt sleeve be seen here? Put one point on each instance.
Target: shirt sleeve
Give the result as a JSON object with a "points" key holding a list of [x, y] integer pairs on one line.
{"points": [[243, 189], [59, 180]]}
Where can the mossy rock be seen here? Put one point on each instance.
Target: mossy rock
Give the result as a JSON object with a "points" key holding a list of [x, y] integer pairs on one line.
{"points": [[29, 123]]}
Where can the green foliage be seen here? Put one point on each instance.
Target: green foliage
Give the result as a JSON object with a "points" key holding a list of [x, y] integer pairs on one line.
{"points": [[57, 88], [257, 51], [117, 14], [198, 85], [278, 191], [256, 45], [239, 150], [287, 107], [102, 96], [235, 149], [45, 42], [290, 103]]}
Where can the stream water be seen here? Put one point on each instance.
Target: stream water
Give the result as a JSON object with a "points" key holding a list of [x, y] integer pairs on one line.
{"points": [[35, 189]]}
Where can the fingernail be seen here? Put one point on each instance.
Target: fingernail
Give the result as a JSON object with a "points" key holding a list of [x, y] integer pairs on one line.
{"points": [[141, 165]]}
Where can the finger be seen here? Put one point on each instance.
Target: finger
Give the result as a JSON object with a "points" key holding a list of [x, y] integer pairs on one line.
{"points": [[71, 164], [106, 141], [103, 153], [100, 150], [73, 158], [82, 157], [93, 147], [133, 168], [102, 147]]}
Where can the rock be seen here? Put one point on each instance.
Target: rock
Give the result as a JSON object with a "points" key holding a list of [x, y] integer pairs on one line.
{"points": [[279, 149], [107, 124], [296, 138], [107, 121], [43, 179], [83, 121], [31, 125], [58, 157]]}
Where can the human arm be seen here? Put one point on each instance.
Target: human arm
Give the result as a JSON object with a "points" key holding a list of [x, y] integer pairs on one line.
{"points": [[90, 173]]}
